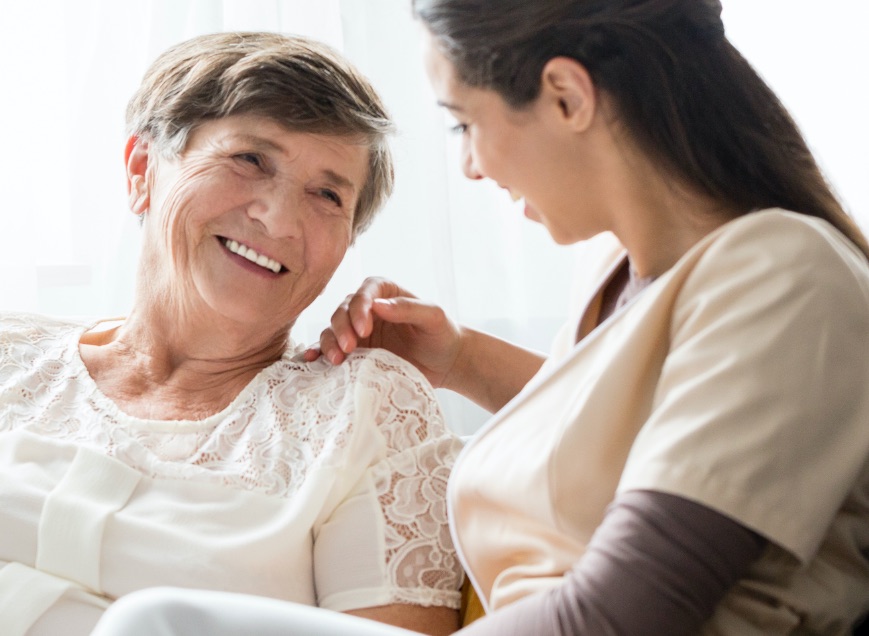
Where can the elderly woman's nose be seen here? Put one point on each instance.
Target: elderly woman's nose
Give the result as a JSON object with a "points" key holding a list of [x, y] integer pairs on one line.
{"points": [[280, 216]]}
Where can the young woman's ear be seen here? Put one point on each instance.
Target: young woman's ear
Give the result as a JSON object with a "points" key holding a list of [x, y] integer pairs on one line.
{"points": [[136, 159], [568, 87]]}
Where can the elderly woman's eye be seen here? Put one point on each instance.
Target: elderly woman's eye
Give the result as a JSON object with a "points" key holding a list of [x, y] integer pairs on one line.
{"points": [[331, 195], [251, 158]]}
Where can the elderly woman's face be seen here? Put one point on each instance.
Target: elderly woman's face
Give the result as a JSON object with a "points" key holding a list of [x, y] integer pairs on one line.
{"points": [[252, 220]]}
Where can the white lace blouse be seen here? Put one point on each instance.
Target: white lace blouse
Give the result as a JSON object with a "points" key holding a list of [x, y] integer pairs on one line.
{"points": [[317, 484]]}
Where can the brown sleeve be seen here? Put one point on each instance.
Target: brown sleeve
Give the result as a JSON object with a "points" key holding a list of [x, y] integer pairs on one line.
{"points": [[658, 564]]}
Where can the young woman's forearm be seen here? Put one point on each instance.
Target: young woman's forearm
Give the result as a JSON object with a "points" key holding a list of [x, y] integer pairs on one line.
{"points": [[658, 564], [490, 371]]}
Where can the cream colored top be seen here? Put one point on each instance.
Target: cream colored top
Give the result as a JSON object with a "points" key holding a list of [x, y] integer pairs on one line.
{"points": [[317, 484], [738, 379]]}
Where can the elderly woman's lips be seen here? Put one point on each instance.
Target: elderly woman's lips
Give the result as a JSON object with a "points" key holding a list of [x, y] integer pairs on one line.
{"points": [[252, 255]]}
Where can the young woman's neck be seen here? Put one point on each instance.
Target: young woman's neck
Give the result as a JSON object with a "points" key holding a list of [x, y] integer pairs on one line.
{"points": [[658, 218]]}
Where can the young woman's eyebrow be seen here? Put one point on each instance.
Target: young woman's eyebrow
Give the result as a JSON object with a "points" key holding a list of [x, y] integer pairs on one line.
{"points": [[449, 106]]}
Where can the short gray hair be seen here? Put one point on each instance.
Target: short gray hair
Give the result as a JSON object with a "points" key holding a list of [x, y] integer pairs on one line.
{"points": [[297, 82]]}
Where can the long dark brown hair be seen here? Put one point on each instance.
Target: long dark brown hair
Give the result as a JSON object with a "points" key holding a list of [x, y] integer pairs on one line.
{"points": [[679, 87]]}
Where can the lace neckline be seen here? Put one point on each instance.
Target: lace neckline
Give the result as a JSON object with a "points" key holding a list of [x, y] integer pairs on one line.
{"points": [[104, 405]]}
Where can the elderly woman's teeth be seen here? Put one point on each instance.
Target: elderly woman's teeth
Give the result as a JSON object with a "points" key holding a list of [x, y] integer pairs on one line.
{"points": [[252, 255]]}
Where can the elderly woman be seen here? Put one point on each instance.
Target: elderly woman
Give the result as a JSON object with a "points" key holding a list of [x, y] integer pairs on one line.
{"points": [[188, 444]]}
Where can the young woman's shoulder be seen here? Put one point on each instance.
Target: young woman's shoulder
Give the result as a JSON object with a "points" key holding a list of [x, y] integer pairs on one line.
{"points": [[791, 236], [778, 254]]}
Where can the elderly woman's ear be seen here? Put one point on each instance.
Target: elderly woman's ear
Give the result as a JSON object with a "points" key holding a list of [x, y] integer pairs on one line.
{"points": [[136, 158]]}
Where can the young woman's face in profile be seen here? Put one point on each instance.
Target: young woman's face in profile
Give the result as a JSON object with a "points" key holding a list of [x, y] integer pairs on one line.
{"points": [[521, 150], [252, 220]]}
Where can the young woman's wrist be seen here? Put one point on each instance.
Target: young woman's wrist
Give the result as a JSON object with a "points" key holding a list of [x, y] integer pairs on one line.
{"points": [[490, 371], [459, 377]]}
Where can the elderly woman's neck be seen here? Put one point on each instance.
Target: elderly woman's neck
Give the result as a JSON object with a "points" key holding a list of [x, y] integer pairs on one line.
{"points": [[155, 370], [202, 337]]}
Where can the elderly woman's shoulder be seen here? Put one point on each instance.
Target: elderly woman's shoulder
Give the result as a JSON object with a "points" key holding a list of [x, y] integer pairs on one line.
{"points": [[382, 376], [377, 388], [373, 365], [363, 363], [32, 325], [409, 413], [383, 363]]}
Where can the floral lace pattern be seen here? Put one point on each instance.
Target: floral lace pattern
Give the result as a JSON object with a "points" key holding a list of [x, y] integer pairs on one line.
{"points": [[292, 418]]}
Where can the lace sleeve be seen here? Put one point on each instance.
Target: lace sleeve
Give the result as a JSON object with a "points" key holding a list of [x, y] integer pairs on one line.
{"points": [[406, 488]]}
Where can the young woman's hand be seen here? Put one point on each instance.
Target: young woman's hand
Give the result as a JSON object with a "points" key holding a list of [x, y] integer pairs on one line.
{"points": [[483, 368], [382, 314]]}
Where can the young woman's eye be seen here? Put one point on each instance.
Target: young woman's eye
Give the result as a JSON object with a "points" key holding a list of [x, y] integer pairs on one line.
{"points": [[459, 129], [331, 195]]}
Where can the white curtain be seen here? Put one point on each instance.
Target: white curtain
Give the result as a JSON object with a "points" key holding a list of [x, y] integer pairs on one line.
{"points": [[70, 244]]}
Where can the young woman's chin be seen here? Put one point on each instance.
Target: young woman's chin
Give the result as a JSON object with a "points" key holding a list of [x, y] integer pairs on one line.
{"points": [[532, 214]]}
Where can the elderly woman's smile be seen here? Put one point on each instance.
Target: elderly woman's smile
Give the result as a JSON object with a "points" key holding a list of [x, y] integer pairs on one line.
{"points": [[247, 252]]}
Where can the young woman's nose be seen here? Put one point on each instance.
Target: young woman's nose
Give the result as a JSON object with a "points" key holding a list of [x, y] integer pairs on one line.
{"points": [[469, 167]]}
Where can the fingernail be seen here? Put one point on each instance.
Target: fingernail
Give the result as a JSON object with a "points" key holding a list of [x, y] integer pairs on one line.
{"points": [[344, 343]]}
